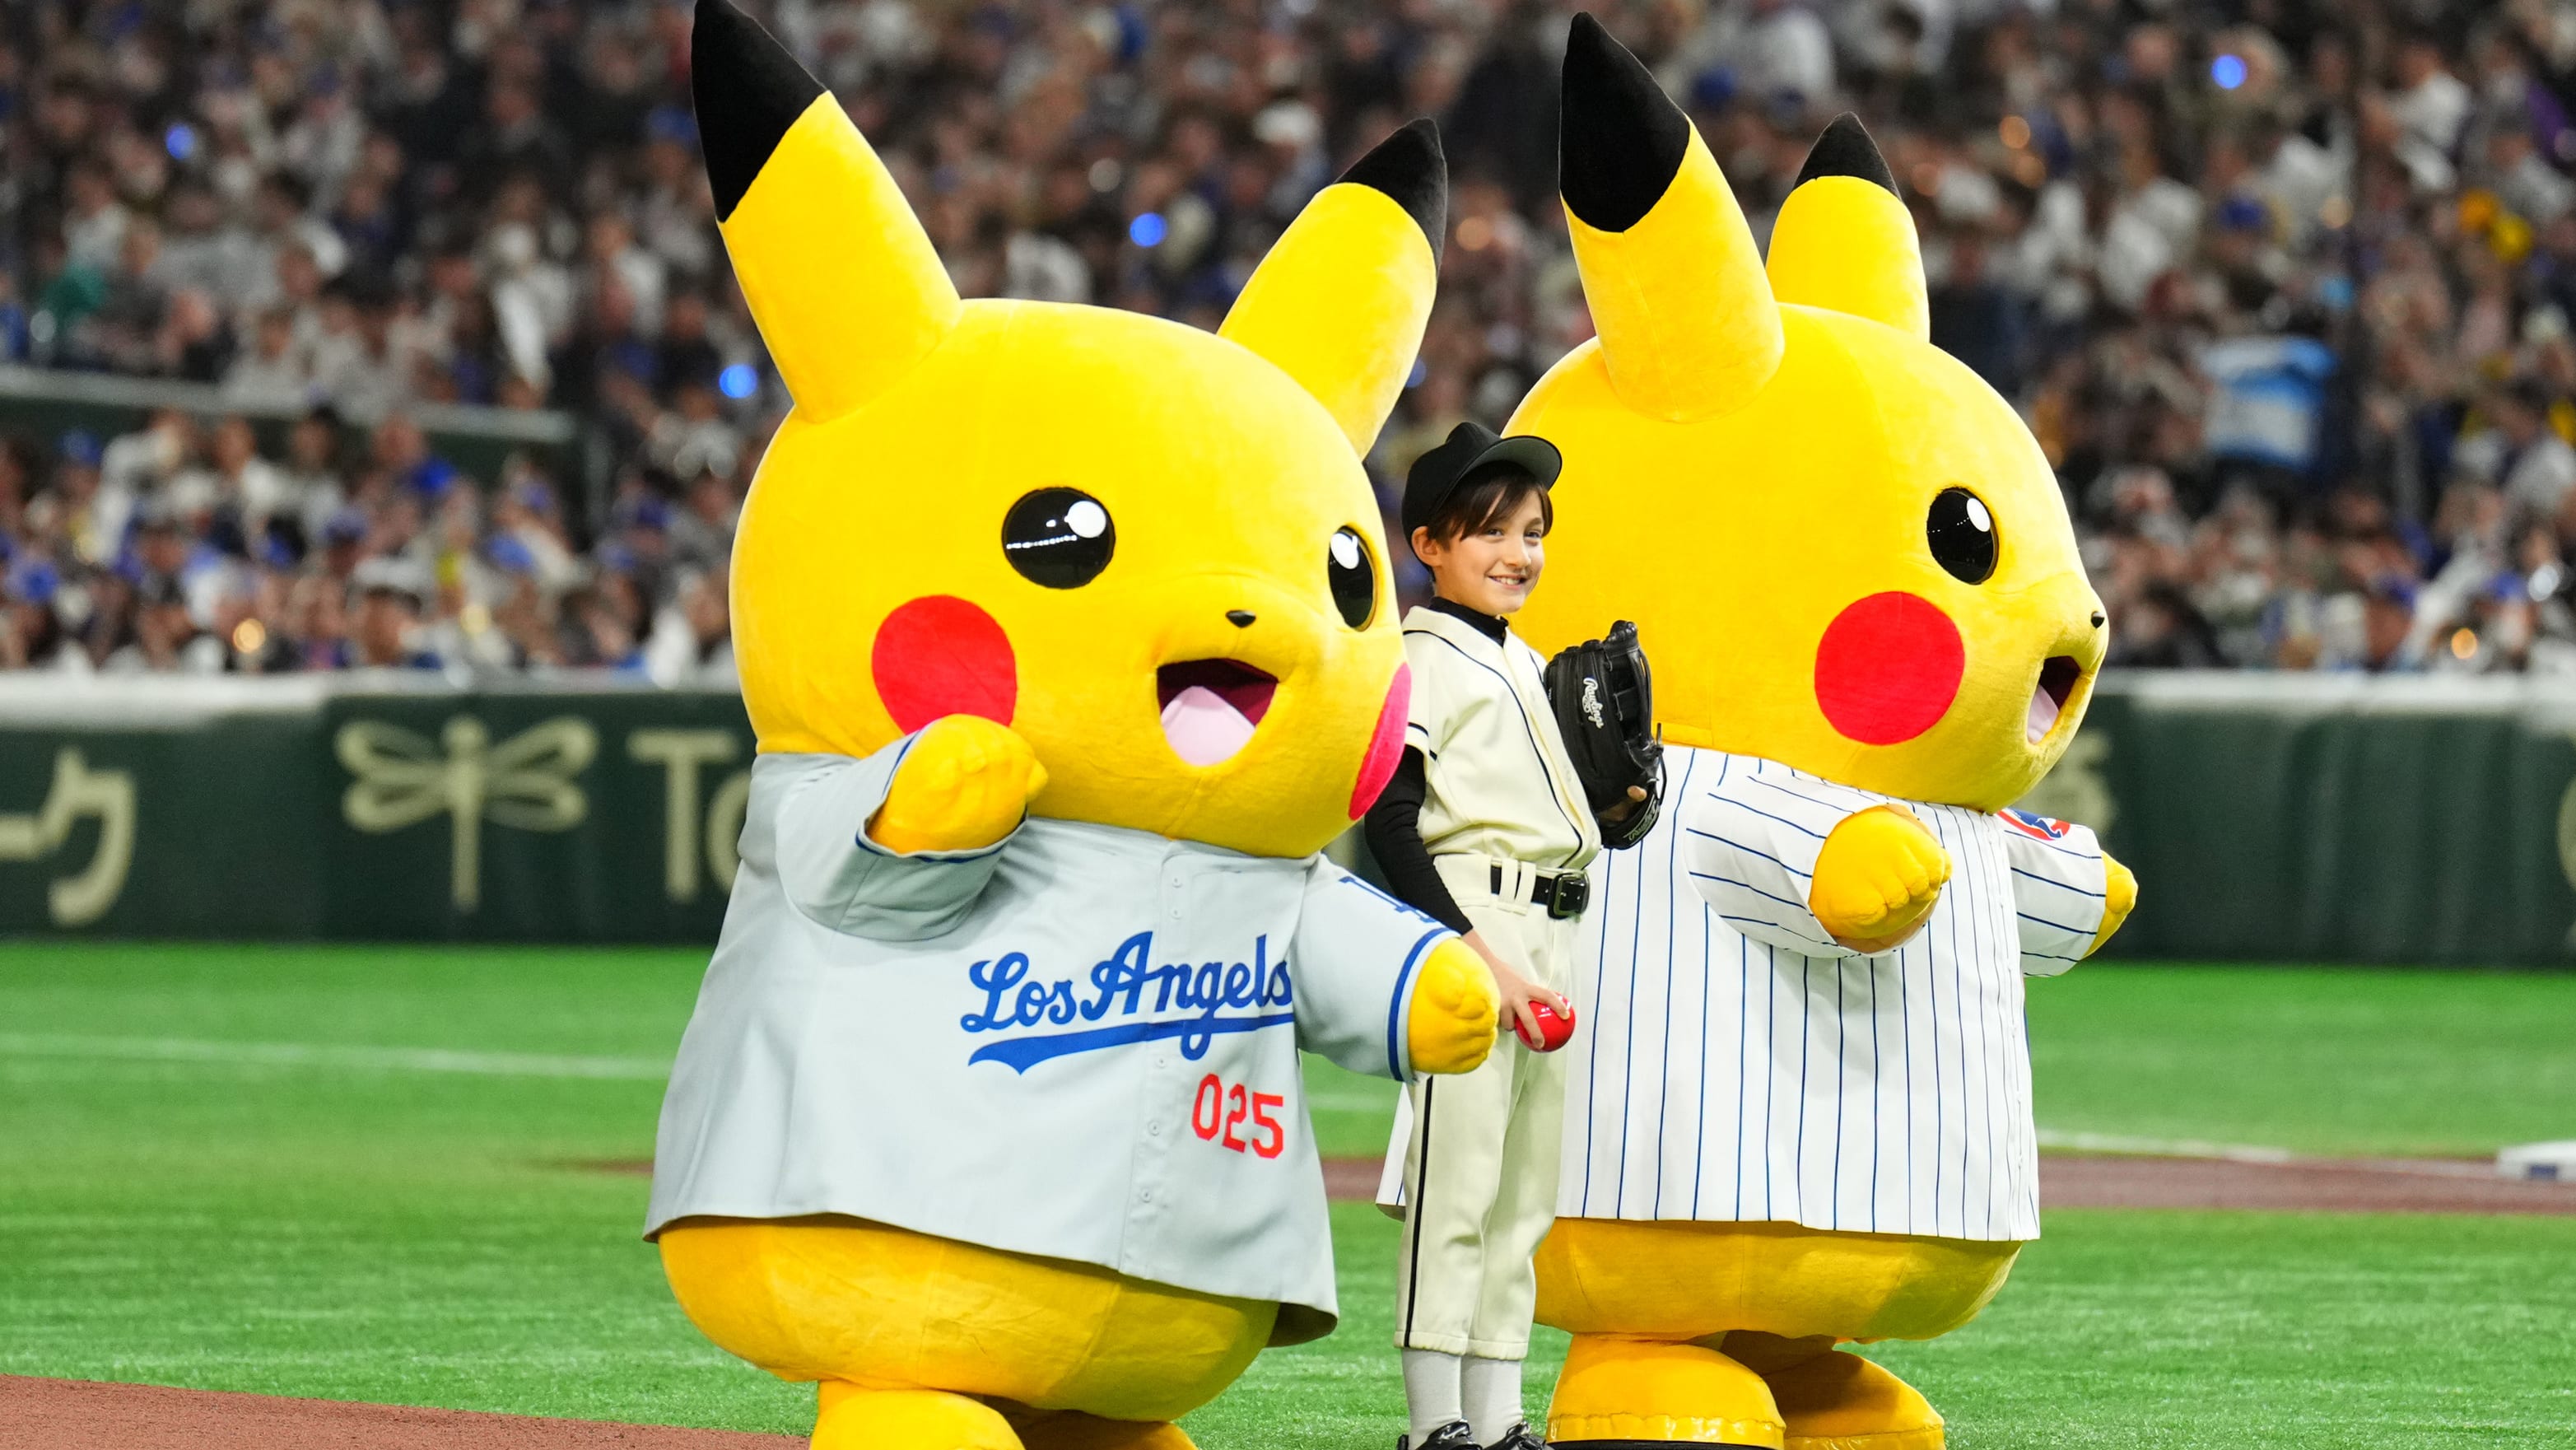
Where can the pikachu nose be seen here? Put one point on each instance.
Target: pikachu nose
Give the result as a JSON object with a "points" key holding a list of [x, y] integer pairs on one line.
{"points": [[1240, 618]]}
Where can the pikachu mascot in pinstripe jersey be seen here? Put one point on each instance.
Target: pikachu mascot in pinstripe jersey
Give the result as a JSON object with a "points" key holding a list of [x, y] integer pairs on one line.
{"points": [[1068, 650], [1802, 1117]]}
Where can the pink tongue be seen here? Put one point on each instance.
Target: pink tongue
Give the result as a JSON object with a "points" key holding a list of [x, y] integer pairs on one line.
{"points": [[1203, 728], [2043, 714]]}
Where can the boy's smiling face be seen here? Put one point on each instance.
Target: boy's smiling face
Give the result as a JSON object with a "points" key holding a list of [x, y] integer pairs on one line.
{"points": [[1490, 567]]}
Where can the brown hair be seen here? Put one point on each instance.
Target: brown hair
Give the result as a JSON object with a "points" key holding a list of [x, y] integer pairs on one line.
{"points": [[1476, 505]]}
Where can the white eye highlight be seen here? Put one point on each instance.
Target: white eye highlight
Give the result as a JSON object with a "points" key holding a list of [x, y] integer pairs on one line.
{"points": [[1087, 519], [1977, 515], [1346, 550]]}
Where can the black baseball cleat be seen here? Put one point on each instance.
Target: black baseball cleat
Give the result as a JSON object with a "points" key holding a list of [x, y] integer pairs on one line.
{"points": [[1519, 1437], [1453, 1436]]}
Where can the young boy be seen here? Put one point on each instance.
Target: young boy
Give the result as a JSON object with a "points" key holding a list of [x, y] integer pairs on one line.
{"points": [[1485, 827]]}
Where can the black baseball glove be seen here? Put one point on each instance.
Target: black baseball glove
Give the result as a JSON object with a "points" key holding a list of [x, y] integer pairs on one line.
{"points": [[1605, 709]]}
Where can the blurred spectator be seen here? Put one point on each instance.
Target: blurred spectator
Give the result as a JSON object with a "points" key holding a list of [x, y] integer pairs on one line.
{"points": [[2287, 290]]}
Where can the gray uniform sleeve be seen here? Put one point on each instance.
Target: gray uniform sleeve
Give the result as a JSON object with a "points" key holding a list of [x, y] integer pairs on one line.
{"points": [[841, 879], [1355, 960], [2058, 890]]}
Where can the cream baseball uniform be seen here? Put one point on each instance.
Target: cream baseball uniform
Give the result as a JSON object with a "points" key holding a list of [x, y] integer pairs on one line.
{"points": [[1738, 1064], [1475, 1156]]}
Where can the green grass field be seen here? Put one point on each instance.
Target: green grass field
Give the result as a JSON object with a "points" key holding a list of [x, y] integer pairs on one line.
{"points": [[362, 1174]]}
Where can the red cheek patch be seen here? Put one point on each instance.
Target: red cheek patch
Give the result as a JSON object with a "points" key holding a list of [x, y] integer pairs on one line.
{"points": [[1386, 744], [1888, 668], [940, 655]]}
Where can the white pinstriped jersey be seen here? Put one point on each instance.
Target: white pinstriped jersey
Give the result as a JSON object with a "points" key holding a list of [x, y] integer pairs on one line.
{"points": [[1737, 1064]]}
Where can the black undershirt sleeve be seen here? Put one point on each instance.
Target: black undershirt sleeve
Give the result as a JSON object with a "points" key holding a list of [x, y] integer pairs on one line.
{"points": [[1393, 829]]}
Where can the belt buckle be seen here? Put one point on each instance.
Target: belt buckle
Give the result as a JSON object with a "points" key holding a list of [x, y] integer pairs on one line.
{"points": [[1570, 896]]}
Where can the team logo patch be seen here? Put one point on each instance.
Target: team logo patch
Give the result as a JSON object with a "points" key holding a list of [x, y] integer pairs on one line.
{"points": [[1135, 994], [2038, 828]]}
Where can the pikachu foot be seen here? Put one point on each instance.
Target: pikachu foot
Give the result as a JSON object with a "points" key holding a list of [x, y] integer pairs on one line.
{"points": [[1628, 1394], [857, 1419], [1073, 1430], [1450, 1027], [1832, 1400]]}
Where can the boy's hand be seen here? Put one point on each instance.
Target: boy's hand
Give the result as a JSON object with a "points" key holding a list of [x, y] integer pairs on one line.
{"points": [[1451, 1025], [1878, 876], [1517, 992], [2119, 898], [963, 785], [1626, 808]]}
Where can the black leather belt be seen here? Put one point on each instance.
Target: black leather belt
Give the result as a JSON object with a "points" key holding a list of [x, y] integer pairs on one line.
{"points": [[1564, 895]]}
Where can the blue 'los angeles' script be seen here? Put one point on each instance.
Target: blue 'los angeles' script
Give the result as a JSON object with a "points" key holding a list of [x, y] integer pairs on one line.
{"points": [[1128, 984]]}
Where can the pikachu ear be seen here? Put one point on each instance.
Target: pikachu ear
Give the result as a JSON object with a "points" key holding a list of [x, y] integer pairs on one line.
{"points": [[1687, 322], [1340, 302], [1845, 242], [843, 281]]}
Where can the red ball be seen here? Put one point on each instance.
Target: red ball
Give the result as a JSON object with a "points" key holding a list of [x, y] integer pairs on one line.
{"points": [[1555, 1028]]}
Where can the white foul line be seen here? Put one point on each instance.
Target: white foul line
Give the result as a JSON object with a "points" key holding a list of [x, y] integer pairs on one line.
{"points": [[2065, 1142], [308, 1054], [652, 1069]]}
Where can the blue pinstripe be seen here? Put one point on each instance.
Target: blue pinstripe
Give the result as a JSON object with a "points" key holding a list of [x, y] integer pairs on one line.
{"points": [[1876, 1096], [1751, 851], [1672, 905], [2064, 886], [2054, 925], [1766, 815]]}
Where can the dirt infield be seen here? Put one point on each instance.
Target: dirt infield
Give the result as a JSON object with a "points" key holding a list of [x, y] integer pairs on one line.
{"points": [[2304, 1185], [2301, 1185], [80, 1415]]}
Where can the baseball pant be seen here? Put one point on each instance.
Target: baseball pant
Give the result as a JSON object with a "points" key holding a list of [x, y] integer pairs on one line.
{"points": [[1480, 1159]]}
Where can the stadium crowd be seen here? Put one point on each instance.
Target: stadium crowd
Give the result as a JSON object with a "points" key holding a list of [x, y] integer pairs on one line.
{"points": [[2284, 286]]}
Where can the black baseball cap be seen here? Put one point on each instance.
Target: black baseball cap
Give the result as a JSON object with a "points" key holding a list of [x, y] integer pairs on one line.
{"points": [[1470, 453]]}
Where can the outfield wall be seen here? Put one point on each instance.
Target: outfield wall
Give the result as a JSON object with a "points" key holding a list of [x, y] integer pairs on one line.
{"points": [[2330, 818]]}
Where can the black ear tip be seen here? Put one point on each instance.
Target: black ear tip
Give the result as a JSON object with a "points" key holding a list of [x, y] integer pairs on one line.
{"points": [[1620, 140], [1413, 171], [748, 90], [1847, 150]]}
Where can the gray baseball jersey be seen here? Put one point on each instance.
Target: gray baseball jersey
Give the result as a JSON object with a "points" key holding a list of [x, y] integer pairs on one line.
{"points": [[1738, 1064], [1080, 1043]]}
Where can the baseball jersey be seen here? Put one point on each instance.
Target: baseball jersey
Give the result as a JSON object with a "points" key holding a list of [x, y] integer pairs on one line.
{"points": [[1500, 782], [1738, 1064], [1080, 1042]]}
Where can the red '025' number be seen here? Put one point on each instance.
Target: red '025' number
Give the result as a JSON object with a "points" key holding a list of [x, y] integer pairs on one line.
{"points": [[1223, 1107]]}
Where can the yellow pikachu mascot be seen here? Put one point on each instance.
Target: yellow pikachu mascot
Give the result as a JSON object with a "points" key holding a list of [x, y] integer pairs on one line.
{"points": [[1802, 1114], [1068, 649]]}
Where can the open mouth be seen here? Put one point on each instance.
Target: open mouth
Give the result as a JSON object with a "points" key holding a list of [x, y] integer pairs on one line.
{"points": [[2057, 680], [1210, 707]]}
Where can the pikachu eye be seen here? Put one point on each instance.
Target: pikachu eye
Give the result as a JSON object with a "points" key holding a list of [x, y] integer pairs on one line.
{"points": [[1346, 566], [1962, 536], [1058, 537]]}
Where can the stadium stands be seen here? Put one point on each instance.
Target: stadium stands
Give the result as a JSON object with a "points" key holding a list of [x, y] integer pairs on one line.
{"points": [[2285, 286]]}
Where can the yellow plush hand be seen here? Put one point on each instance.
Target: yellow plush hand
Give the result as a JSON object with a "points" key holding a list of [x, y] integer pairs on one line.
{"points": [[963, 785], [1451, 1026], [1878, 876], [2119, 898]]}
